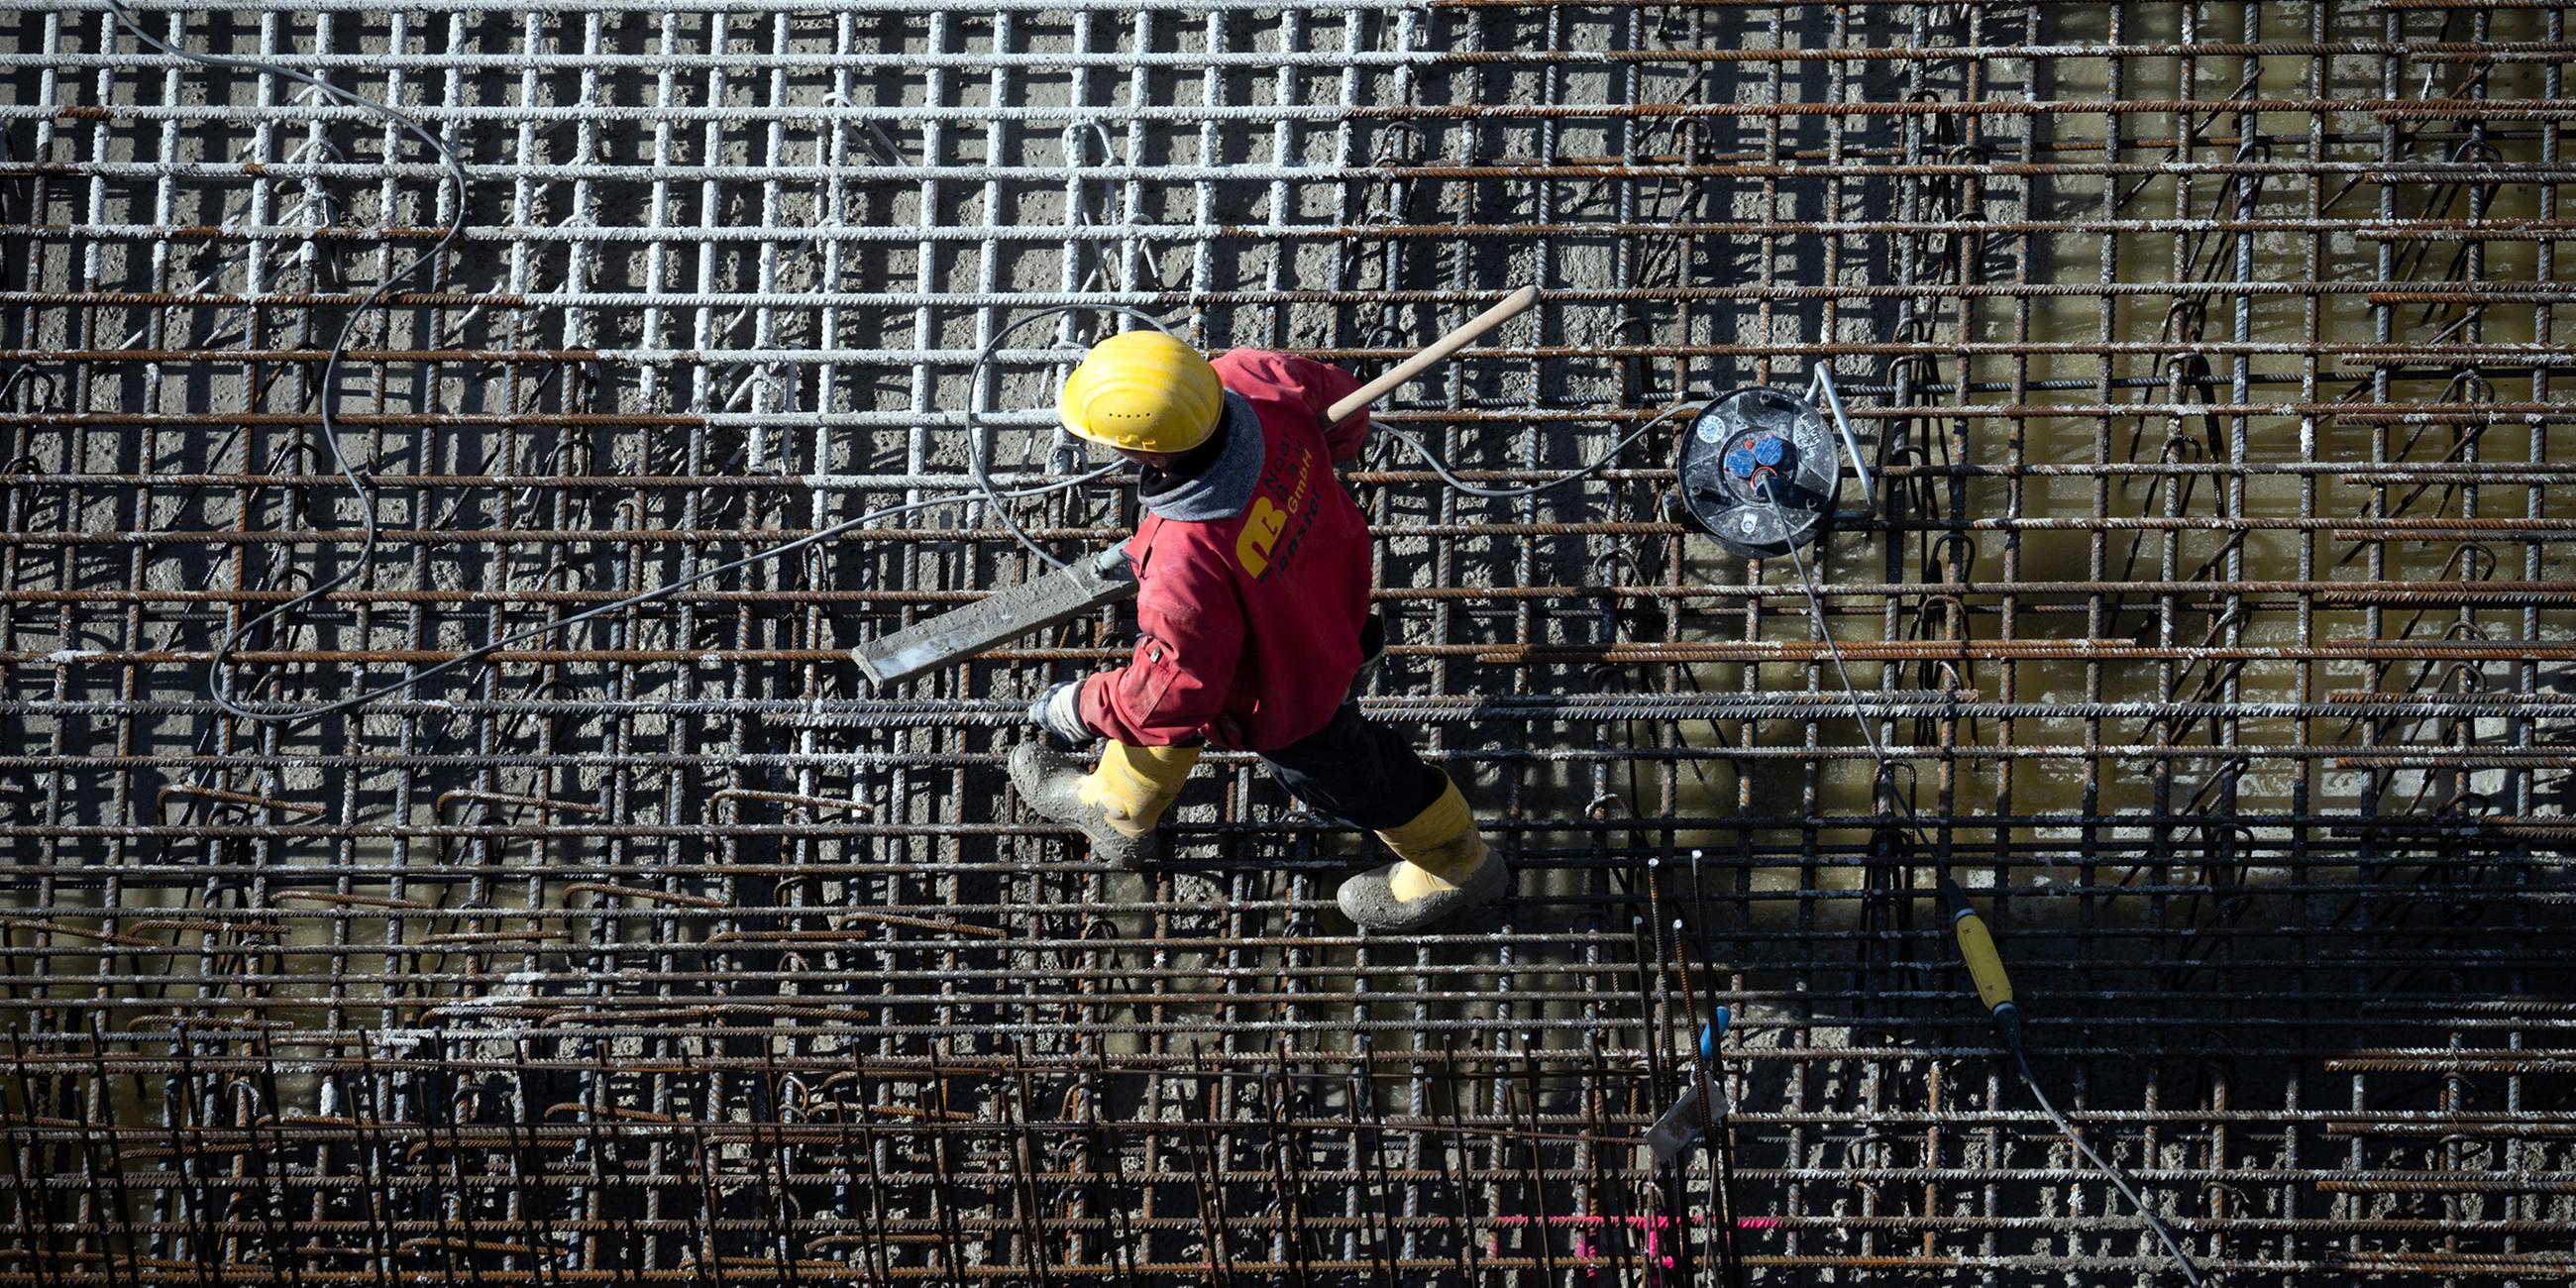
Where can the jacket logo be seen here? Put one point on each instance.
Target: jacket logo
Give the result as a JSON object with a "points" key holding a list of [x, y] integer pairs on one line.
{"points": [[1261, 529]]}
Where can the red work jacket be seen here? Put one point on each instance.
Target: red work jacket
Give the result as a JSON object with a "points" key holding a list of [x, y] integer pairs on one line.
{"points": [[1249, 626]]}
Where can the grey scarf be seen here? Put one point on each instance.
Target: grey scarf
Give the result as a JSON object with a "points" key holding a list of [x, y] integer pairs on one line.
{"points": [[1221, 490]]}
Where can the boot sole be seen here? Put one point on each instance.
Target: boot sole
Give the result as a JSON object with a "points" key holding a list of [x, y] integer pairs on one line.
{"points": [[1368, 902], [1026, 770]]}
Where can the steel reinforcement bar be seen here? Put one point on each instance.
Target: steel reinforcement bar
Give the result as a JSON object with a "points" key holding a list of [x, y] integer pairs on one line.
{"points": [[2217, 621]]}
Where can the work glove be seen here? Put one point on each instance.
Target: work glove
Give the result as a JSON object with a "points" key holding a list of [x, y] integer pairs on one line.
{"points": [[1058, 714]]}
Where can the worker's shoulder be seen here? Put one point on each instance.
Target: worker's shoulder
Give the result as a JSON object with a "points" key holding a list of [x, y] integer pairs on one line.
{"points": [[1265, 368], [1187, 559], [1244, 358], [1175, 540]]}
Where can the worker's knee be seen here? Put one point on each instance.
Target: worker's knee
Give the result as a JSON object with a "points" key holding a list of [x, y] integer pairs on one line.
{"points": [[1359, 771]]}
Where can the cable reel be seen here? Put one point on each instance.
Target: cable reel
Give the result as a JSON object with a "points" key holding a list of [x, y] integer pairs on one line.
{"points": [[1761, 471]]}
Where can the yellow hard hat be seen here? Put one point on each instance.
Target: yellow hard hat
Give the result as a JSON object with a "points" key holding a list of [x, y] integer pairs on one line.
{"points": [[1143, 391]]}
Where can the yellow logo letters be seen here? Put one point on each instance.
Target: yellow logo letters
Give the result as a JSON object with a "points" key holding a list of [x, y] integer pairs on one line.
{"points": [[1261, 530]]}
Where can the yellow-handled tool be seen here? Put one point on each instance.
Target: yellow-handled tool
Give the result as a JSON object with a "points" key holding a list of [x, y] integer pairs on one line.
{"points": [[1994, 988], [1985, 965]]}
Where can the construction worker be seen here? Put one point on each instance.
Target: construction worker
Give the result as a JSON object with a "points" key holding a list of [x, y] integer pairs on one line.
{"points": [[1252, 569]]}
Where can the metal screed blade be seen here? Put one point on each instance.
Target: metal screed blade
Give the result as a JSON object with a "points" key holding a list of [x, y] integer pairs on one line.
{"points": [[998, 618]]}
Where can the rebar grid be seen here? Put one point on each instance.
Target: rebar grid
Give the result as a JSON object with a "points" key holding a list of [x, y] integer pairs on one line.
{"points": [[2218, 616]]}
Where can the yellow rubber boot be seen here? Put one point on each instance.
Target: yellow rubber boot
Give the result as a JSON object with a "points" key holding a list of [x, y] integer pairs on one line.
{"points": [[1116, 804], [1132, 786], [1442, 866]]}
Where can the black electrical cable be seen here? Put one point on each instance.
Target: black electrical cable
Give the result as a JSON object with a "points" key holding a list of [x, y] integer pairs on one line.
{"points": [[217, 686], [488, 647], [976, 457], [218, 682], [2011, 1034], [1457, 484], [976, 463]]}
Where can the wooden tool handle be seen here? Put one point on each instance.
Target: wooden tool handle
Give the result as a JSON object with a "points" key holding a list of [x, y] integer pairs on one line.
{"points": [[1512, 306]]}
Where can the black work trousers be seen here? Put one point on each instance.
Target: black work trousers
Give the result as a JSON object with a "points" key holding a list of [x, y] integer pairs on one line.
{"points": [[1358, 771]]}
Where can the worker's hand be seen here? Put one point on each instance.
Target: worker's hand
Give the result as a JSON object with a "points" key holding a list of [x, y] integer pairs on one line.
{"points": [[1058, 714]]}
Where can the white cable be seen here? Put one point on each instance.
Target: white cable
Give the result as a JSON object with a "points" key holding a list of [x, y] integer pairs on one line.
{"points": [[1816, 609], [2163, 1235], [1851, 692]]}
